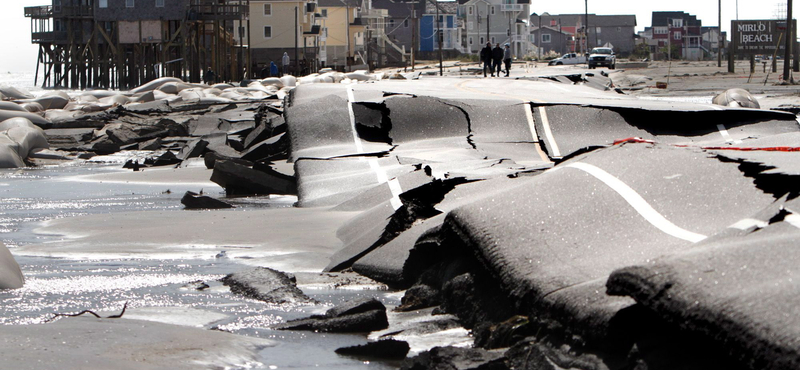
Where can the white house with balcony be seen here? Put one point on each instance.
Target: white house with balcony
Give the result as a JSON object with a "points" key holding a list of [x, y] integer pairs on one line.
{"points": [[496, 21]]}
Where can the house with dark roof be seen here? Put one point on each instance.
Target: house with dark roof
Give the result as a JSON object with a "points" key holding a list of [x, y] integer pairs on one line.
{"points": [[680, 32], [400, 20], [616, 31], [551, 39]]}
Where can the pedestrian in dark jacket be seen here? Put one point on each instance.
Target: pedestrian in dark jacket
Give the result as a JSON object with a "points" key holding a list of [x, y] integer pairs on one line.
{"points": [[209, 77], [507, 58], [273, 70], [497, 59], [486, 58]]}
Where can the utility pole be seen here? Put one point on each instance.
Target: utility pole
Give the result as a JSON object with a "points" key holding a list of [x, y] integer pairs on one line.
{"points": [[539, 41], [439, 37], [487, 21], [296, 62], [669, 39], [719, 34], [789, 41], [413, 33], [586, 23], [347, 56]]}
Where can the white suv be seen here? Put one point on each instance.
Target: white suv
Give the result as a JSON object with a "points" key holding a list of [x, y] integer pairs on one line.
{"points": [[602, 57]]}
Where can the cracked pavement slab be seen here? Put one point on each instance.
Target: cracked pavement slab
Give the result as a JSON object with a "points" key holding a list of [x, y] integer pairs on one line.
{"points": [[630, 182]]}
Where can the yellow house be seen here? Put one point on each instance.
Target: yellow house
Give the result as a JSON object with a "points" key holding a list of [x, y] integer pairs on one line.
{"points": [[284, 26], [340, 37], [348, 26]]}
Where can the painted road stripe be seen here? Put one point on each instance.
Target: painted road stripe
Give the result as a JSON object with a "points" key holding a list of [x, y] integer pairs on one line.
{"points": [[638, 203], [748, 223], [553, 84], [725, 135], [793, 219], [380, 173], [548, 134], [350, 99], [542, 154], [531, 125]]}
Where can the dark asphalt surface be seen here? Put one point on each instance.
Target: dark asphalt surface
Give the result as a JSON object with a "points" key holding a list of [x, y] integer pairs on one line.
{"points": [[692, 201]]}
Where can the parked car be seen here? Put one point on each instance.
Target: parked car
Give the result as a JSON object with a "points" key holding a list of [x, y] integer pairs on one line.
{"points": [[603, 57], [569, 58]]}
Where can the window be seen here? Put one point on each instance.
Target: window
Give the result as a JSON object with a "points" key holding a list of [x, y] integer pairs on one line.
{"points": [[597, 30], [660, 30], [599, 42], [492, 39], [470, 40], [545, 38], [267, 9], [491, 9], [405, 23], [267, 32], [441, 19], [103, 4], [676, 35], [469, 25], [129, 3], [391, 23], [324, 13], [159, 3], [482, 40], [677, 23], [470, 11]]}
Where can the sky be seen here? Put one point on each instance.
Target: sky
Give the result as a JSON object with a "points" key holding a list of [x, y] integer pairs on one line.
{"points": [[17, 54]]}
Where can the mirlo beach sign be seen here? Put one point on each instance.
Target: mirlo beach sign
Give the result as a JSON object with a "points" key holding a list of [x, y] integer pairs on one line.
{"points": [[759, 36]]}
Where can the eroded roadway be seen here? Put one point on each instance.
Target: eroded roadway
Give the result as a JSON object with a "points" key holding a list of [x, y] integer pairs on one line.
{"points": [[546, 188]]}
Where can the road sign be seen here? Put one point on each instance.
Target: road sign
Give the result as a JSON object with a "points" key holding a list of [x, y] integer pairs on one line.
{"points": [[758, 36]]}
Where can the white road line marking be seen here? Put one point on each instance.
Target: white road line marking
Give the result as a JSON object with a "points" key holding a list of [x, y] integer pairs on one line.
{"points": [[394, 186], [747, 223], [350, 99], [531, 125], [380, 173], [548, 134], [725, 135], [793, 219], [558, 87], [638, 203]]}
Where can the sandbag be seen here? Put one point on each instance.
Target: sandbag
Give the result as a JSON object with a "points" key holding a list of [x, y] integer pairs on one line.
{"points": [[10, 274]]}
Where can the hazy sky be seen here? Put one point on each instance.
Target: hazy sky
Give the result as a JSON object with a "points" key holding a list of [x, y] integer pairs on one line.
{"points": [[17, 54]]}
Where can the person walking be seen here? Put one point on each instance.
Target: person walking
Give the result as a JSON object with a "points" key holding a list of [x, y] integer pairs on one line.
{"points": [[285, 61], [209, 77], [497, 59], [486, 58], [507, 58], [273, 70]]}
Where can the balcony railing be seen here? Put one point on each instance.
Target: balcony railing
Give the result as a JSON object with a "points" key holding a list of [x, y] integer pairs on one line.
{"points": [[44, 11], [511, 7], [42, 36], [211, 12], [73, 11]]}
